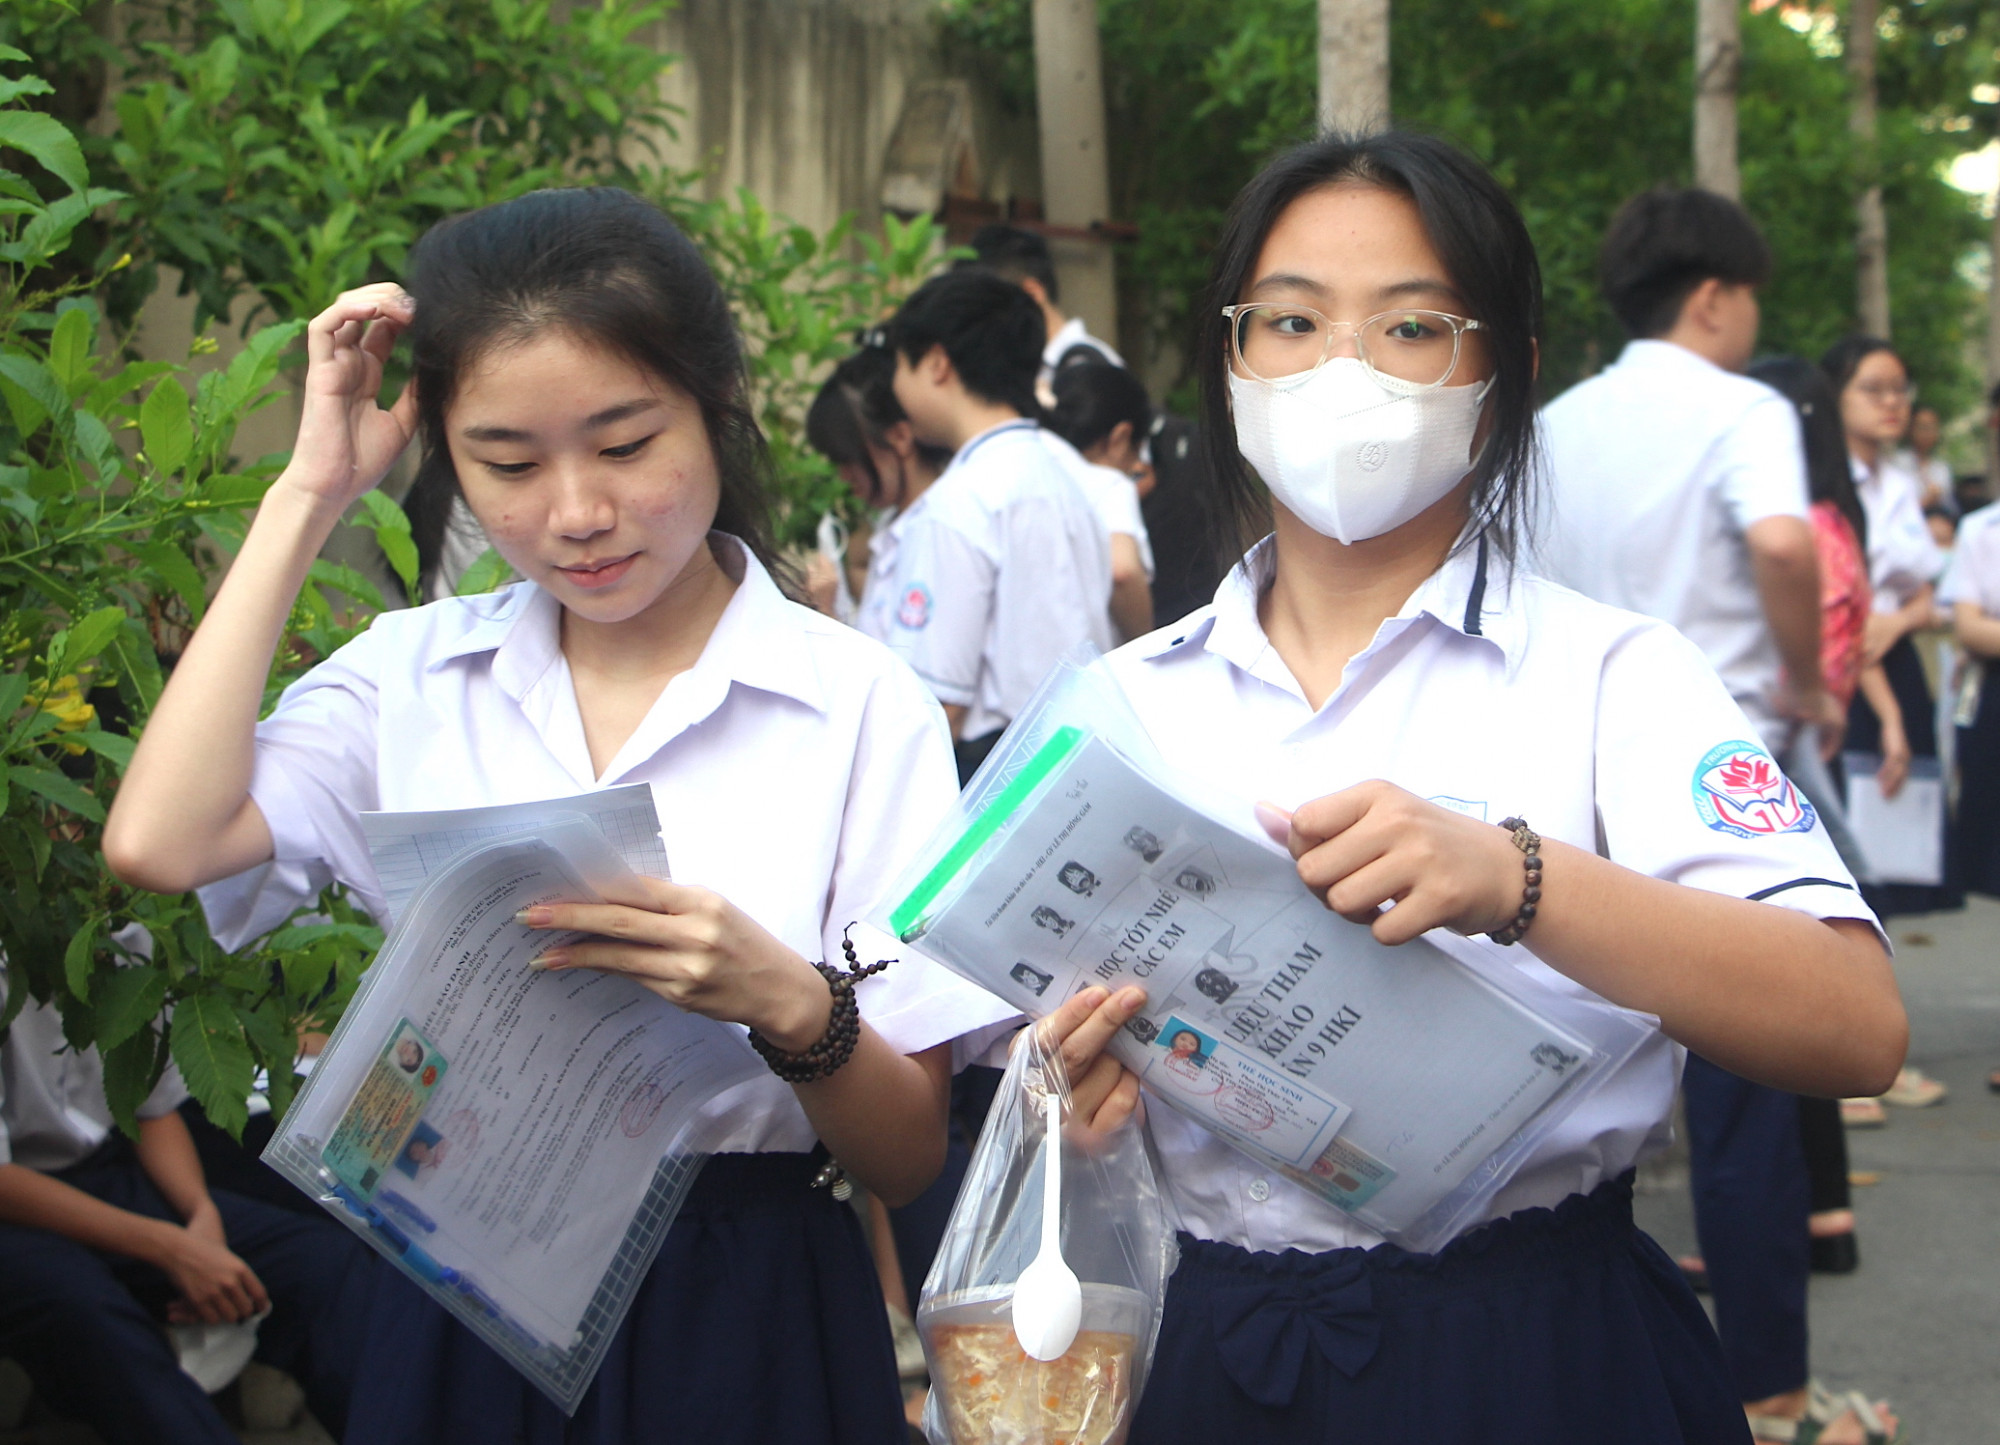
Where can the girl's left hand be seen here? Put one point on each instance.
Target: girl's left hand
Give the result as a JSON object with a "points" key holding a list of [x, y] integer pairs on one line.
{"points": [[1374, 843], [696, 950]]}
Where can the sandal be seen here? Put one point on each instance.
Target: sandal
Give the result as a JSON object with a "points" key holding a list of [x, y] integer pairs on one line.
{"points": [[1914, 1089], [1824, 1409]]}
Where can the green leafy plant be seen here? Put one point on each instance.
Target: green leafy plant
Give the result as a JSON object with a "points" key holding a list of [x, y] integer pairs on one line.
{"points": [[117, 489]]}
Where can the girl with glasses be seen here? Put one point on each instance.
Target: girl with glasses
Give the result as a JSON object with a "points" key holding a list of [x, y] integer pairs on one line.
{"points": [[1387, 678]]}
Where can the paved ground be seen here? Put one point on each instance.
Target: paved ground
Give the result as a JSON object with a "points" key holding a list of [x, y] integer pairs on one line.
{"points": [[1919, 1322]]}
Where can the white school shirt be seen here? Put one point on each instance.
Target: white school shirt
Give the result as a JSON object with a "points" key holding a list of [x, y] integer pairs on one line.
{"points": [[1974, 574], [1658, 465], [1491, 693], [1902, 553], [53, 1113], [796, 768], [992, 575], [1073, 333], [1111, 494]]}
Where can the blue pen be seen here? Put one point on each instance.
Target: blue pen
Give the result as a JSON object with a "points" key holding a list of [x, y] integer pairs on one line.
{"points": [[419, 1261], [408, 1210]]}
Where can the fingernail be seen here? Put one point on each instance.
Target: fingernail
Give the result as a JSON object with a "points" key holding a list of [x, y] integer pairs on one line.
{"points": [[536, 917], [1275, 821], [554, 958], [1132, 999]]}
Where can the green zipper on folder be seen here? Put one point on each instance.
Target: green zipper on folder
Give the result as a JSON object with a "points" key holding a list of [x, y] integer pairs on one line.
{"points": [[908, 919]]}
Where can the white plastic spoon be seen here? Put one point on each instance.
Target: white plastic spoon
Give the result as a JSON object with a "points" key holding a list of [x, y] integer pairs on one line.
{"points": [[1048, 1301]]}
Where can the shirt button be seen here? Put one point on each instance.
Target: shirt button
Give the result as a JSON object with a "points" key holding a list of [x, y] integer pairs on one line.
{"points": [[1260, 1190]]}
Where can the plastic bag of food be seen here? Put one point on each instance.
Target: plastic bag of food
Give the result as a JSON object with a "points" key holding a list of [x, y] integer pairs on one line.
{"points": [[985, 1389]]}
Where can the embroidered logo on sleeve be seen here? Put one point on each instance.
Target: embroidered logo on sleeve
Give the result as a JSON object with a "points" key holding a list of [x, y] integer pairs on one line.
{"points": [[1739, 789], [914, 610]]}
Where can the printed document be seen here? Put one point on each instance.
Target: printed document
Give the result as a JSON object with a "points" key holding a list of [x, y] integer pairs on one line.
{"points": [[1377, 1077], [497, 1131]]}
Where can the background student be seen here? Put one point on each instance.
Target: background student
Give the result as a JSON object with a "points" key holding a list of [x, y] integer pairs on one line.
{"points": [[577, 378], [1023, 258], [856, 423], [103, 1239], [1904, 563], [1678, 488], [1100, 411], [1382, 648], [1001, 566], [1972, 594]]}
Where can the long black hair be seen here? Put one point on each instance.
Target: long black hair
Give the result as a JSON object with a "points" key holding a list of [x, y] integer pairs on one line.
{"points": [[1486, 250], [599, 264], [855, 408], [1842, 359], [1829, 477]]}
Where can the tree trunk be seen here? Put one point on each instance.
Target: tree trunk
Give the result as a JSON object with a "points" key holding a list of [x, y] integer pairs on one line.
{"points": [[1718, 63], [1076, 177], [1871, 226], [1993, 346], [1353, 65]]}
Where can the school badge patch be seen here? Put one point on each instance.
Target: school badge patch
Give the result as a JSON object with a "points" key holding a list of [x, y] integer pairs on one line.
{"points": [[1739, 789], [914, 611]]}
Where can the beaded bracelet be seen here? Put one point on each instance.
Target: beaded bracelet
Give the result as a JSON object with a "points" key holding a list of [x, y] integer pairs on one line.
{"points": [[1530, 843], [843, 1024]]}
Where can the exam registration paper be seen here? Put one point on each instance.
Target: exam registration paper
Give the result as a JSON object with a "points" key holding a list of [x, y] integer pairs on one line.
{"points": [[1376, 1077], [507, 1123]]}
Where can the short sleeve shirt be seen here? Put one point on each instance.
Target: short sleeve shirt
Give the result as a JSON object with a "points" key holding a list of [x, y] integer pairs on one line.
{"points": [[1603, 728], [1902, 553], [1657, 467], [1974, 574], [796, 767], [53, 1112], [991, 576], [1111, 494]]}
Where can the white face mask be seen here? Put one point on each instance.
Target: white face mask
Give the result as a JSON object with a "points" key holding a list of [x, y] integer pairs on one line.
{"points": [[1352, 456]]}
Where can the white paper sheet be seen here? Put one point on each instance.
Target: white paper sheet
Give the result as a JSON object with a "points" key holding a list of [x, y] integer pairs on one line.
{"points": [[509, 1182], [1901, 837], [408, 847]]}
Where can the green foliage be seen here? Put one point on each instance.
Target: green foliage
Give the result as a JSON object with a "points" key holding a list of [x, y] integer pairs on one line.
{"points": [[800, 298], [275, 152], [1576, 107], [116, 488]]}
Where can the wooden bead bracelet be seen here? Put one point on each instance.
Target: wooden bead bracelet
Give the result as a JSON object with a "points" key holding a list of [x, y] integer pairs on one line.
{"points": [[843, 1024], [1530, 843]]}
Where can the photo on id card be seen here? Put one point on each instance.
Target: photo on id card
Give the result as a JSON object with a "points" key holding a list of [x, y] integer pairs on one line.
{"points": [[383, 1121]]}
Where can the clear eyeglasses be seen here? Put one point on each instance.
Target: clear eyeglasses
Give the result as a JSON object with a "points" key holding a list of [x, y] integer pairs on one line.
{"points": [[1276, 341]]}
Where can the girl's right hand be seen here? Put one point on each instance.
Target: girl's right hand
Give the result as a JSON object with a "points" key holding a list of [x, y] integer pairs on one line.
{"points": [[1895, 765], [347, 442]]}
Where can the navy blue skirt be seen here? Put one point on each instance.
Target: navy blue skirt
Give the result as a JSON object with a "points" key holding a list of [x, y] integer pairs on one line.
{"points": [[1549, 1326], [761, 1320]]}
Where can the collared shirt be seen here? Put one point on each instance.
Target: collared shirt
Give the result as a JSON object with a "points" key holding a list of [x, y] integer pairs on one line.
{"points": [[1491, 693], [52, 1108], [1974, 574], [992, 575], [1902, 553], [1111, 494], [796, 768], [1658, 466], [1070, 335]]}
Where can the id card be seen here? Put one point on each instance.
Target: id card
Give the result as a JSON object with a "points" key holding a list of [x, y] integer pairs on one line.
{"points": [[380, 1123]]}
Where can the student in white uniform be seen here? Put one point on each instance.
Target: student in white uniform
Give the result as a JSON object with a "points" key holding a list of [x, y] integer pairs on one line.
{"points": [[577, 377], [1676, 486], [1904, 563], [857, 424], [103, 1237], [1001, 567], [1023, 257], [1086, 392], [1382, 668]]}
